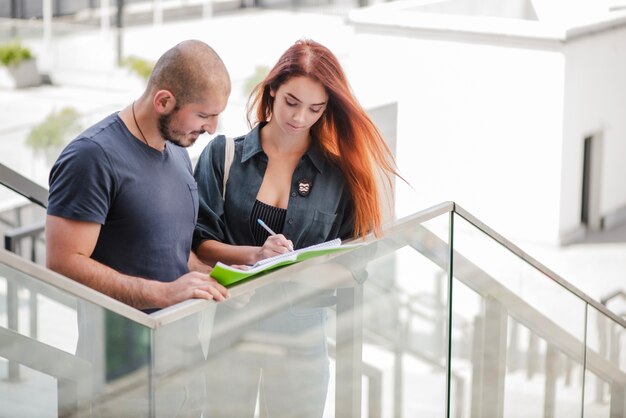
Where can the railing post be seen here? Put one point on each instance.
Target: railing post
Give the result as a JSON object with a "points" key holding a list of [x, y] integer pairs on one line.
{"points": [[489, 361], [552, 371], [513, 355], [603, 350], [459, 391], [440, 321], [398, 372], [12, 324], [477, 369], [12, 310], [532, 355], [349, 352], [33, 312], [618, 391], [374, 391], [618, 401]]}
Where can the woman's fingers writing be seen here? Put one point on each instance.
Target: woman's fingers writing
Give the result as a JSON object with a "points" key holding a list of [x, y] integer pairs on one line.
{"points": [[275, 245]]}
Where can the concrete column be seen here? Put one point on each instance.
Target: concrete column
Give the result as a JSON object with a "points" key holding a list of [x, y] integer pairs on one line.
{"points": [[105, 18], [157, 8], [45, 61]]}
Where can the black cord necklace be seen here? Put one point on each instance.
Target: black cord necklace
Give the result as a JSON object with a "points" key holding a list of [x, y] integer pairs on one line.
{"points": [[137, 125]]}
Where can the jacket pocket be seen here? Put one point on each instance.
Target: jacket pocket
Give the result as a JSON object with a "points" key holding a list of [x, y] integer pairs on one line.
{"points": [[320, 228]]}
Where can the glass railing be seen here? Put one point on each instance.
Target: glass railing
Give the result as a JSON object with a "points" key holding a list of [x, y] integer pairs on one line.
{"points": [[441, 317]]}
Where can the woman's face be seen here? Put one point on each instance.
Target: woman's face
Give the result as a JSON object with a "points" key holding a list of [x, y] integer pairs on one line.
{"points": [[298, 104]]}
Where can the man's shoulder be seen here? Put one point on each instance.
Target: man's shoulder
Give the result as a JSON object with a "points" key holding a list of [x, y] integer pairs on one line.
{"points": [[104, 131], [103, 136], [97, 144]]}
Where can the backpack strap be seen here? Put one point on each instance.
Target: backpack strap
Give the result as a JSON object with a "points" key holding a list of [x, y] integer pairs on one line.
{"points": [[229, 155]]}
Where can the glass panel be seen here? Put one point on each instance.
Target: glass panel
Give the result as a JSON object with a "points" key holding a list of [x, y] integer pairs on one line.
{"points": [[361, 331], [272, 344], [605, 378], [405, 327], [527, 333], [466, 306], [60, 355], [405, 331], [37, 310], [180, 366]]}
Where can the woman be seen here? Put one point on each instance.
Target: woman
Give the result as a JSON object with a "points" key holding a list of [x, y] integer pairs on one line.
{"points": [[309, 169]]}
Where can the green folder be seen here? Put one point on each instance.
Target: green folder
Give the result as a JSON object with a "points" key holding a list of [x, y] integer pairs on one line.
{"points": [[227, 275]]}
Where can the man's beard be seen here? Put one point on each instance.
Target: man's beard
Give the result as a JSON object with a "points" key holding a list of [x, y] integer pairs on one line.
{"points": [[171, 135]]}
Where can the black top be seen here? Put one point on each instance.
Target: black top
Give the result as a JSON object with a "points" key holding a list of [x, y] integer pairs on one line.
{"points": [[272, 216]]}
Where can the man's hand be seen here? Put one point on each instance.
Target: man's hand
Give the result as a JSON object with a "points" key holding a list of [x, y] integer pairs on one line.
{"points": [[193, 285]]}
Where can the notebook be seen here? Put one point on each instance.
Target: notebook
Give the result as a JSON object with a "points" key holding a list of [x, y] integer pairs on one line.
{"points": [[227, 275]]}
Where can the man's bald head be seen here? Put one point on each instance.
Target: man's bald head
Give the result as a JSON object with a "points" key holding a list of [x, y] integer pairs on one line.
{"points": [[190, 70]]}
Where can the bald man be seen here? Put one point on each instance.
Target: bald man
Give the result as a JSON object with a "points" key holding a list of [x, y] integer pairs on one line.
{"points": [[123, 201]]}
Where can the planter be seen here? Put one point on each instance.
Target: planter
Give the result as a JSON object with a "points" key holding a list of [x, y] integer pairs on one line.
{"points": [[24, 74]]}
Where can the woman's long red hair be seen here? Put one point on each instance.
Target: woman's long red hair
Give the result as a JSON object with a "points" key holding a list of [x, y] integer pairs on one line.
{"points": [[345, 133]]}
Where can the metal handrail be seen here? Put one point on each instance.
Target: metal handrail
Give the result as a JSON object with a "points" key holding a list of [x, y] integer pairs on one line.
{"points": [[23, 186]]}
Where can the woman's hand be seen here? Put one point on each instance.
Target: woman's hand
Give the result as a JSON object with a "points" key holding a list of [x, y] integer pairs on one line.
{"points": [[275, 245]]}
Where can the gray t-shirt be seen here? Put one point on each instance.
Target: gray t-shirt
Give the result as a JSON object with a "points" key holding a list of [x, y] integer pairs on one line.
{"points": [[145, 200]]}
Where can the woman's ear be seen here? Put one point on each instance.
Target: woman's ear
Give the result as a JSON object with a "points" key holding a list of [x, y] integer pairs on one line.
{"points": [[164, 102]]}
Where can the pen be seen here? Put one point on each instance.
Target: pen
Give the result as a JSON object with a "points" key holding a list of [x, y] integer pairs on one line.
{"points": [[268, 229]]}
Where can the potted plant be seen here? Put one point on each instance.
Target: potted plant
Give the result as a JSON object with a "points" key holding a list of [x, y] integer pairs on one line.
{"points": [[139, 66], [49, 136], [20, 63]]}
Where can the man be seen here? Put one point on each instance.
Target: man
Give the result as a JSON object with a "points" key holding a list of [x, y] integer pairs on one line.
{"points": [[121, 213], [123, 200]]}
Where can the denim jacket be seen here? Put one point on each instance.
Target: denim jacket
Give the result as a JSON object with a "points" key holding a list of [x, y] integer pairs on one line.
{"points": [[325, 213]]}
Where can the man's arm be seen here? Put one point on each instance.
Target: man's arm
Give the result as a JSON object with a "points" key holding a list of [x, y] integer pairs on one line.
{"points": [[195, 264], [69, 245]]}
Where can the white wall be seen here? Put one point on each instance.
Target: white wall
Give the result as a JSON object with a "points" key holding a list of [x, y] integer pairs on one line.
{"points": [[478, 124], [595, 102]]}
